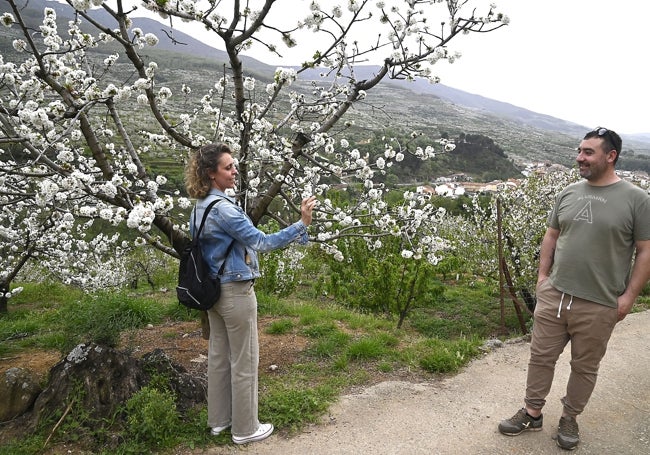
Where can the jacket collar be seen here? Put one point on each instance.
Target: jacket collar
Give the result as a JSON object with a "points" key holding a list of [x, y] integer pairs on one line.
{"points": [[216, 192]]}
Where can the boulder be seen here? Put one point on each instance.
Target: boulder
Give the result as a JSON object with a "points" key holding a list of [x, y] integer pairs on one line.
{"points": [[100, 379], [19, 389]]}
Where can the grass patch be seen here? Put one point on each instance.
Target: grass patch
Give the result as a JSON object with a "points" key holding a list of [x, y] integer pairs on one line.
{"points": [[280, 327], [464, 310], [329, 346], [72, 317], [443, 356], [372, 347], [292, 407], [344, 349]]}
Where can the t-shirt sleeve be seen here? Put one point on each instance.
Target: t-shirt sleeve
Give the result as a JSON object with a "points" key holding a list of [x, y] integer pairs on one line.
{"points": [[642, 218], [552, 221]]}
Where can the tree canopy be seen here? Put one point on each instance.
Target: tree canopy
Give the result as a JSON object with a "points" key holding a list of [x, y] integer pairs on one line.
{"points": [[84, 111]]}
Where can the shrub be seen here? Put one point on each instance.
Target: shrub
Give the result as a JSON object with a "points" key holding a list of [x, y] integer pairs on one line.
{"points": [[152, 417]]}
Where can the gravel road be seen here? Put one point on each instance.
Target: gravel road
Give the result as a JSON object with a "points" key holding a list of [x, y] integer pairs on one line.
{"points": [[460, 414]]}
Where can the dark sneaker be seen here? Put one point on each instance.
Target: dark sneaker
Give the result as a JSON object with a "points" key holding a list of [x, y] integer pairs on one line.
{"points": [[519, 423], [567, 433]]}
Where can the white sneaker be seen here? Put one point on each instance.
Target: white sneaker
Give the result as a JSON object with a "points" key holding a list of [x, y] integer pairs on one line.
{"points": [[263, 432], [216, 431]]}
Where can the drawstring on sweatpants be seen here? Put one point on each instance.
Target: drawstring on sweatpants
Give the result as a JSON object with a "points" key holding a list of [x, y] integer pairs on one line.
{"points": [[568, 307]]}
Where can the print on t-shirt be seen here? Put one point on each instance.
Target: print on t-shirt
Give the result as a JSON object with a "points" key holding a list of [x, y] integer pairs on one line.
{"points": [[584, 214]]}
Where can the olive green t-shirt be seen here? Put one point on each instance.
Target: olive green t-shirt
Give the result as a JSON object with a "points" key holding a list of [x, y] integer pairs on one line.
{"points": [[598, 227]]}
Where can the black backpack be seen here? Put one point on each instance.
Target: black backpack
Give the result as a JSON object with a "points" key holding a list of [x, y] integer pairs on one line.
{"points": [[195, 288]]}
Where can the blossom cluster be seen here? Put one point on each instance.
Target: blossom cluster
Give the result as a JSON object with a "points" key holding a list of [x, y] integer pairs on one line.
{"points": [[87, 126]]}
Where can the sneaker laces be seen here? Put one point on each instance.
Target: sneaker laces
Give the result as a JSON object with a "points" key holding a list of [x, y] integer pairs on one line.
{"points": [[520, 417], [568, 427]]}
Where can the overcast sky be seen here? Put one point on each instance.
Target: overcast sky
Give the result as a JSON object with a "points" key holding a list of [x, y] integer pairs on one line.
{"points": [[584, 61], [579, 60]]}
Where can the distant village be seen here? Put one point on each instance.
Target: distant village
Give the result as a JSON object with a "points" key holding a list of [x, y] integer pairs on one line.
{"points": [[458, 184]]}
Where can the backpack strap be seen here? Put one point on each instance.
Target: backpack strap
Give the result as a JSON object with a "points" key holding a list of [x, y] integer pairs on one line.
{"points": [[195, 239], [220, 272], [205, 217]]}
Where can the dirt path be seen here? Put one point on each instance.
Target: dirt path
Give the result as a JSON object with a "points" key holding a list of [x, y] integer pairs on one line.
{"points": [[460, 415]]}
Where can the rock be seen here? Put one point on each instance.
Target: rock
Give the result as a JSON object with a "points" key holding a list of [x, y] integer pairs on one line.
{"points": [[492, 344], [100, 379], [18, 391], [189, 390]]}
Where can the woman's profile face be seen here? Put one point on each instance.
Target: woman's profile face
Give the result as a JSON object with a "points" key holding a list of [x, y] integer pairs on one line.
{"points": [[225, 175]]}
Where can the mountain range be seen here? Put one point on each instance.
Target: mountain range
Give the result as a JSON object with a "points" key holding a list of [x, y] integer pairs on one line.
{"points": [[489, 115], [522, 133]]}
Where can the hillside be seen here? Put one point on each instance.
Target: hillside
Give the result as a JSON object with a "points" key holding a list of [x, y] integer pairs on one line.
{"points": [[435, 110]]}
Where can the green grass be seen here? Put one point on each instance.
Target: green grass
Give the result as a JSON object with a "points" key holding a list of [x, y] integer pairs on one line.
{"points": [[343, 349], [69, 317], [441, 356], [280, 327]]}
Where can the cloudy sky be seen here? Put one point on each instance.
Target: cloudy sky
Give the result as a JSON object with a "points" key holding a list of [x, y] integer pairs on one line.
{"points": [[579, 60], [584, 61]]}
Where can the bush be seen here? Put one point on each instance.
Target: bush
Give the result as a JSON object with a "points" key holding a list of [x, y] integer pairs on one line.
{"points": [[381, 280], [152, 418]]}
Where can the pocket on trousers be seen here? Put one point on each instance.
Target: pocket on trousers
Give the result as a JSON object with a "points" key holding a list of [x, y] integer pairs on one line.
{"points": [[242, 288], [540, 284]]}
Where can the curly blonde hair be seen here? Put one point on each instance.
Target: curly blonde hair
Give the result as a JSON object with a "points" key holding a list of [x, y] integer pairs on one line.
{"points": [[204, 160]]}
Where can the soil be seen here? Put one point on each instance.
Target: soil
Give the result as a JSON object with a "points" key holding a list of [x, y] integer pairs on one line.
{"points": [[181, 341]]}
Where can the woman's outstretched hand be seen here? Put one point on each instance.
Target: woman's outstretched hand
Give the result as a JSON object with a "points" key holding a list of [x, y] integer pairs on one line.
{"points": [[306, 207]]}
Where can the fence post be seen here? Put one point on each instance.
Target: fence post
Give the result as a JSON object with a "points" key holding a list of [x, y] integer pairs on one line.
{"points": [[500, 249]]}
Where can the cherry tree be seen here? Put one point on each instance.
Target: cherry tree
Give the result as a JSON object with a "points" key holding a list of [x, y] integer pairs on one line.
{"points": [[521, 211], [83, 110]]}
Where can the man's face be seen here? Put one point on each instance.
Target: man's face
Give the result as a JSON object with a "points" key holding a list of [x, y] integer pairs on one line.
{"points": [[593, 160]]}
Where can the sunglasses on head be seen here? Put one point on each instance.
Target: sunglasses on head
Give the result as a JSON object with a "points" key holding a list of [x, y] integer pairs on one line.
{"points": [[606, 134]]}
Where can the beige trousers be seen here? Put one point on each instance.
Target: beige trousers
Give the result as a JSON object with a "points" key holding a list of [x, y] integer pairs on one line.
{"points": [[560, 318], [233, 358]]}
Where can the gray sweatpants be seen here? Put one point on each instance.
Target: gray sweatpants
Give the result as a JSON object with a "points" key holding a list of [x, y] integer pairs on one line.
{"points": [[233, 358], [560, 318]]}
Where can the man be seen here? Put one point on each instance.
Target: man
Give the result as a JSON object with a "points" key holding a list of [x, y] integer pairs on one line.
{"points": [[587, 281]]}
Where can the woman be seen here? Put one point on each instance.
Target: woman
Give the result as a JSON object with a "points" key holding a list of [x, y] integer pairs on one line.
{"points": [[233, 354]]}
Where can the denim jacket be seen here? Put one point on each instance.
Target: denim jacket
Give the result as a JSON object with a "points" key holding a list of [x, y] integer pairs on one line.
{"points": [[227, 221]]}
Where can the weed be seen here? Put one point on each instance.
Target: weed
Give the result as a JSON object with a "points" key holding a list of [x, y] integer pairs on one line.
{"points": [[329, 346], [290, 408], [319, 330], [152, 418], [368, 348], [280, 327], [385, 367], [447, 356], [341, 363]]}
